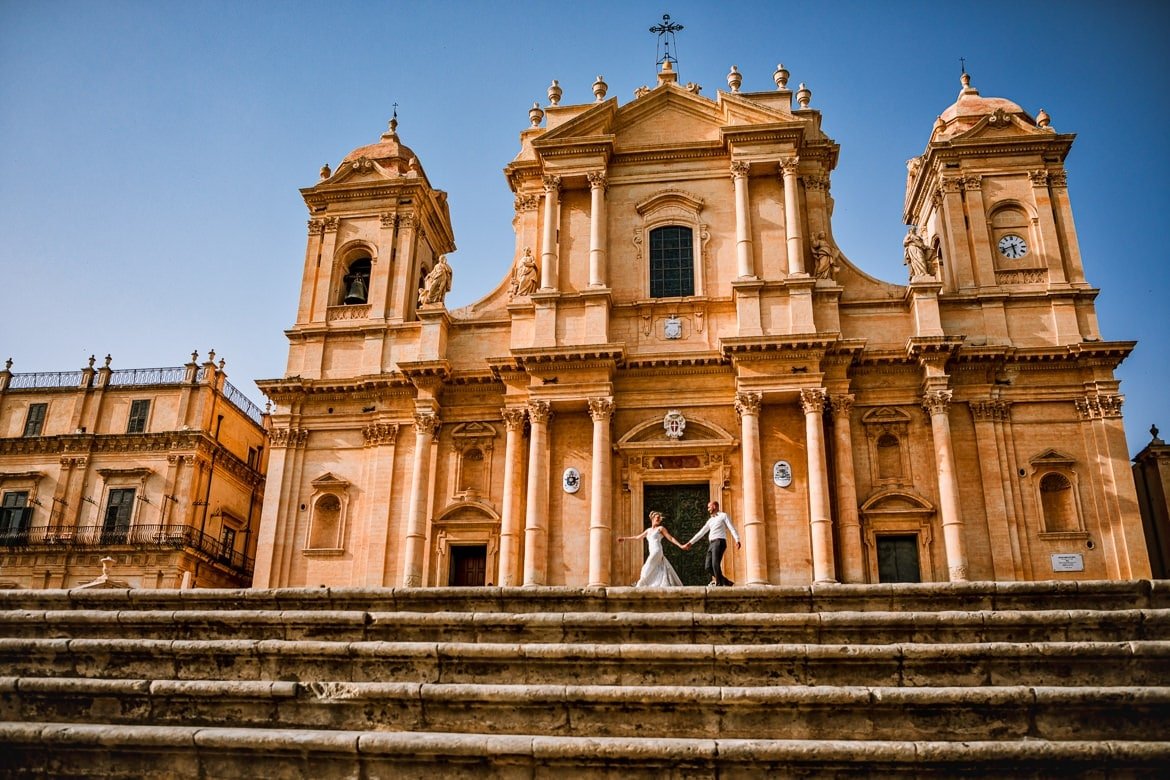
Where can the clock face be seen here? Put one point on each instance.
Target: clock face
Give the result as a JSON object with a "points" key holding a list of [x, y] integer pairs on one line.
{"points": [[1013, 247]]}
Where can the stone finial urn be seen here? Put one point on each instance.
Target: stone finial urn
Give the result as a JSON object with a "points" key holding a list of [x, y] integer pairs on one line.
{"points": [[734, 79], [781, 77], [803, 95], [535, 115], [554, 93], [599, 89]]}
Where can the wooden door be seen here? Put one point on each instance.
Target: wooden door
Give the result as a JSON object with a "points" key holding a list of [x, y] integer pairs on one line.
{"points": [[684, 510]]}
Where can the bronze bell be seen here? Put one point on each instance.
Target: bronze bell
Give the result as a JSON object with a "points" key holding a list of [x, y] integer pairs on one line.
{"points": [[357, 291]]}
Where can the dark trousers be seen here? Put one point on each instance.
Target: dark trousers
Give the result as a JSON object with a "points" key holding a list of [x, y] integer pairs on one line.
{"points": [[713, 563]]}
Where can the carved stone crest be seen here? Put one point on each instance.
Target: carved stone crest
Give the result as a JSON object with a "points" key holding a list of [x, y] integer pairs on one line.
{"points": [[674, 423], [672, 329], [571, 480]]}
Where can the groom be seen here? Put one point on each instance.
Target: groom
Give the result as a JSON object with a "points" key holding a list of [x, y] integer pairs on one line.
{"points": [[715, 529]]}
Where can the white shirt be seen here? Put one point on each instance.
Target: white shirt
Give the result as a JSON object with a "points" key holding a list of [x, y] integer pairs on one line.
{"points": [[716, 528]]}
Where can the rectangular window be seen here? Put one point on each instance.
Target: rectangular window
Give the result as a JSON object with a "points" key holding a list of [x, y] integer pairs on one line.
{"points": [[229, 544], [252, 453], [139, 411], [15, 517], [672, 262], [35, 421], [119, 508]]}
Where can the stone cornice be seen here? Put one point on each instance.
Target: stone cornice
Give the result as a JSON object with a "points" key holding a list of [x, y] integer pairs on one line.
{"points": [[585, 352], [357, 388], [675, 360], [810, 345]]}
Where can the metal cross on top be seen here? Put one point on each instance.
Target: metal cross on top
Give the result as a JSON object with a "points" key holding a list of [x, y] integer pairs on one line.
{"points": [[667, 28]]}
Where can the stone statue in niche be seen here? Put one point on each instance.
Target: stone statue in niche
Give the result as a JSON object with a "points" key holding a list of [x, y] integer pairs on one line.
{"points": [[824, 258], [436, 285], [525, 277], [917, 255]]}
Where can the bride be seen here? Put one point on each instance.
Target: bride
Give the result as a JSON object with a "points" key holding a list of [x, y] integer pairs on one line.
{"points": [[657, 571]]}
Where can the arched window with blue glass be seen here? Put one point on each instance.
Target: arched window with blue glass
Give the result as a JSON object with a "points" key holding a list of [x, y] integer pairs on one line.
{"points": [[672, 262]]}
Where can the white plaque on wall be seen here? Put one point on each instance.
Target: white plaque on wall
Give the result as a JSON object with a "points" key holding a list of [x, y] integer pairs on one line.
{"points": [[571, 480], [782, 473], [1068, 562]]}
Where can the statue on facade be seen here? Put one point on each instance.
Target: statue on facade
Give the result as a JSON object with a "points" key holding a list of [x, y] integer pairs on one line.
{"points": [[436, 285], [917, 254], [824, 258], [525, 276]]}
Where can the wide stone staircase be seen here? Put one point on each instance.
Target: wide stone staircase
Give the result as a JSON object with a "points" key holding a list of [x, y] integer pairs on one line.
{"points": [[982, 679]]}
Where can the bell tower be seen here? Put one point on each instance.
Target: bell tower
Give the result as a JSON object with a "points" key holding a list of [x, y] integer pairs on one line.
{"points": [[376, 229], [990, 201]]}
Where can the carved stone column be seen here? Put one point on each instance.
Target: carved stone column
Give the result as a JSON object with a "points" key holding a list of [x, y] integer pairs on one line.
{"points": [[600, 501], [848, 525], [510, 520], [597, 255], [937, 402], [788, 169], [380, 440], [743, 224], [536, 517], [812, 401], [548, 249], [426, 425], [281, 525], [747, 405]]}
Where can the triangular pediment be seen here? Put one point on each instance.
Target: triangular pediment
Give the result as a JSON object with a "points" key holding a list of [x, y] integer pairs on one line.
{"points": [[596, 121], [739, 110], [668, 115], [1052, 458], [328, 479]]}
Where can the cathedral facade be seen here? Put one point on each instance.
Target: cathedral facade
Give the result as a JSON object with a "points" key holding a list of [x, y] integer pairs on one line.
{"points": [[678, 326]]}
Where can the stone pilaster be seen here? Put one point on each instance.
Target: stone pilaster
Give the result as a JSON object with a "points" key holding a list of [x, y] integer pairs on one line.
{"points": [[536, 516], [426, 426], [848, 523], [745, 266], [548, 249], [812, 402], [937, 403], [600, 500], [510, 541], [597, 233], [747, 405]]}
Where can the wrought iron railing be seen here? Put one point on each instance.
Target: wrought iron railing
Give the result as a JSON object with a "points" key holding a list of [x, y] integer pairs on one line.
{"points": [[45, 379], [241, 402], [136, 377], [174, 537]]}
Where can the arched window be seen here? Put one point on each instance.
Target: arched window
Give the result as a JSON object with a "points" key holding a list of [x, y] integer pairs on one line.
{"points": [[355, 286], [672, 262], [889, 457], [1056, 498], [326, 527]]}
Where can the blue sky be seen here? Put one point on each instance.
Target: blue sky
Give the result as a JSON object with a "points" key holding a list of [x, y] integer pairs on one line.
{"points": [[151, 152]]}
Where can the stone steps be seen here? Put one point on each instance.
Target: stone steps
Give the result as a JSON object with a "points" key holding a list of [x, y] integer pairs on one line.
{"points": [[902, 597], [692, 712], [1020, 679], [907, 664], [589, 627], [66, 750]]}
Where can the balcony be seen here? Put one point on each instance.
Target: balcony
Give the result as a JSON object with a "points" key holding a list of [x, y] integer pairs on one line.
{"points": [[138, 537]]}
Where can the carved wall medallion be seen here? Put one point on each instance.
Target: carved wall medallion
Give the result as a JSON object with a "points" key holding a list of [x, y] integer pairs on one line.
{"points": [[782, 473], [672, 328], [674, 423], [571, 480]]}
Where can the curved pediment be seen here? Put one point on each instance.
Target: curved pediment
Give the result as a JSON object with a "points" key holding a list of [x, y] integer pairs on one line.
{"points": [[467, 512], [897, 501], [697, 432]]}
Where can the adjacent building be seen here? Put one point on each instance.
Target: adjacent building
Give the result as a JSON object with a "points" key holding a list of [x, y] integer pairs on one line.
{"points": [[159, 471], [678, 325]]}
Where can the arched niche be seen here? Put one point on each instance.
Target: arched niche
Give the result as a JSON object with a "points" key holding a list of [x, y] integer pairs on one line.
{"points": [[887, 436], [328, 511], [1055, 484]]}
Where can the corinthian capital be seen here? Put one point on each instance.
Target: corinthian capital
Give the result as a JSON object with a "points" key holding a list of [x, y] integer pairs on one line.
{"points": [[426, 423], [514, 418], [936, 401], [380, 433], [597, 179], [842, 403], [552, 183], [739, 169], [789, 166], [748, 404], [539, 412], [601, 409], [812, 400]]}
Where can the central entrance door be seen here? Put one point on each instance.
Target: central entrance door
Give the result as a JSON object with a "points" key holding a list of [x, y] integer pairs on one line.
{"points": [[684, 510], [468, 565]]}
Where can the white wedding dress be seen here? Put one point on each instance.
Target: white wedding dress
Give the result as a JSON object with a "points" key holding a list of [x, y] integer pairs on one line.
{"points": [[657, 571]]}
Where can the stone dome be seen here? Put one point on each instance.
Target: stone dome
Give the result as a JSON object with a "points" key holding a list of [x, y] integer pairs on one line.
{"points": [[972, 107], [388, 152]]}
